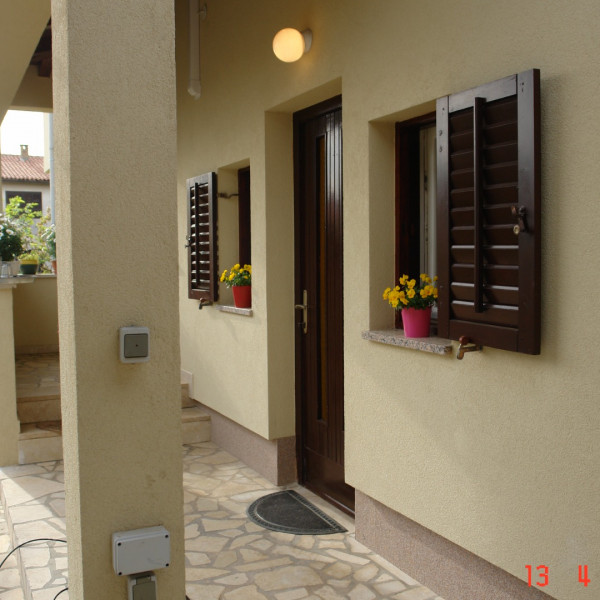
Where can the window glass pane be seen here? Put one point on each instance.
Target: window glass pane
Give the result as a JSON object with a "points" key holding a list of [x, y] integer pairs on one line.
{"points": [[428, 200]]}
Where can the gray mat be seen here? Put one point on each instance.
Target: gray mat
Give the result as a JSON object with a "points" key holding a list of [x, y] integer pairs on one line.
{"points": [[290, 512]]}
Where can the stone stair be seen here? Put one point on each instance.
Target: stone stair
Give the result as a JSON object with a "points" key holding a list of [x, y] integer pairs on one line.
{"points": [[38, 409], [195, 422]]}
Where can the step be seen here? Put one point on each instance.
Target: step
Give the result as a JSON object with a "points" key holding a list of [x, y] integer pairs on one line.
{"points": [[42, 408], [42, 441], [195, 425], [186, 401], [35, 408]]}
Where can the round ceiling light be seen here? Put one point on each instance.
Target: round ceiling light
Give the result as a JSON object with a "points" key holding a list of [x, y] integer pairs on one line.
{"points": [[290, 44]]}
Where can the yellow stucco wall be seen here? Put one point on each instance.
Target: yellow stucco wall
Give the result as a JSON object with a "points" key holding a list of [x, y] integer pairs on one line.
{"points": [[499, 452], [115, 158], [9, 423], [35, 314]]}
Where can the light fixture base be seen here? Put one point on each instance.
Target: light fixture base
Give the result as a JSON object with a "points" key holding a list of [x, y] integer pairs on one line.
{"points": [[308, 37]]}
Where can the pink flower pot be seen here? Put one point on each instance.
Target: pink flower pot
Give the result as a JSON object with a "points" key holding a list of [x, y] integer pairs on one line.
{"points": [[242, 296], [416, 322]]}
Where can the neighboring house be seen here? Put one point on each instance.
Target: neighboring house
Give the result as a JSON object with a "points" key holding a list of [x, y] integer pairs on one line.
{"points": [[469, 475], [24, 175]]}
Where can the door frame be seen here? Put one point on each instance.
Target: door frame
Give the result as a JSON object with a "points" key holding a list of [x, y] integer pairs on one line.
{"points": [[299, 118]]}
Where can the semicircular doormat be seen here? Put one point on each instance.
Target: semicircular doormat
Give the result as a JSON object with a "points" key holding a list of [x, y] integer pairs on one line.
{"points": [[289, 512]]}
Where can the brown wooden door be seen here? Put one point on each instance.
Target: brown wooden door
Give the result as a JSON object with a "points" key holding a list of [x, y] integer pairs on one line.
{"points": [[319, 283]]}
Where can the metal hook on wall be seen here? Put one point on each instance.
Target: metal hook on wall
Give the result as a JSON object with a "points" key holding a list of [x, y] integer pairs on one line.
{"points": [[203, 302], [466, 345]]}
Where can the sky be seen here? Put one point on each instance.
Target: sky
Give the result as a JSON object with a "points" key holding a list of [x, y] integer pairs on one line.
{"points": [[22, 127]]}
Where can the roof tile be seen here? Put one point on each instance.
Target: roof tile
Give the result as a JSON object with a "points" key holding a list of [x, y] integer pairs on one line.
{"points": [[16, 169]]}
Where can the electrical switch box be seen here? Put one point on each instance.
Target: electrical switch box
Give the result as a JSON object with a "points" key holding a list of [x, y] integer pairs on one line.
{"points": [[134, 344], [142, 587], [141, 550]]}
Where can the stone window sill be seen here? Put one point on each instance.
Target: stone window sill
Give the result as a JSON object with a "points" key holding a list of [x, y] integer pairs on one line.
{"points": [[396, 337], [245, 312]]}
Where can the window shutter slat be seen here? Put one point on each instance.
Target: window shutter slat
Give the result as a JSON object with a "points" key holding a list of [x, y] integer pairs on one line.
{"points": [[202, 234], [488, 171]]}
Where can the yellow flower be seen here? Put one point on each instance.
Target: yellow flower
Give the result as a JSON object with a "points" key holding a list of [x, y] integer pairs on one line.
{"points": [[435, 278], [411, 292], [411, 284], [393, 298], [403, 279], [424, 293], [428, 279], [424, 276], [397, 288], [223, 275], [386, 293], [231, 276], [435, 293], [403, 300]]}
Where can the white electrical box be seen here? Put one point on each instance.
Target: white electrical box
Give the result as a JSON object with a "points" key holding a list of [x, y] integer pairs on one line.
{"points": [[134, 344], [141, 550]]}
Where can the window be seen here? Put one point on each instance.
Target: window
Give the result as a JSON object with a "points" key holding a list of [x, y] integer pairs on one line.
{"points": [[33, 199], [415, 198], [202, 238], [488, 177], [245, 257], [484, 240]]}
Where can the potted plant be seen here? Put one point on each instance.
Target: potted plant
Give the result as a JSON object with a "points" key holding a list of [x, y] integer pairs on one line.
{"points": [[11, 244], [31, 226], [30, 263], [48, 236], [239, 279], [415, 301]]}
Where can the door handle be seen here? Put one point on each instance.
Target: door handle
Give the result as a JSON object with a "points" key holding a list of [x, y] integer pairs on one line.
{"points": [[304, 308]]}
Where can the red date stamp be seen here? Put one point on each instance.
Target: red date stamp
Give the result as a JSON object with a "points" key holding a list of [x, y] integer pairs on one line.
{"points": [[540, 575]]}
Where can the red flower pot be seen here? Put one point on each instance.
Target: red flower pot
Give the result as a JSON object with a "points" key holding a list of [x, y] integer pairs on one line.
{"points": [[242, 296], [416, 322]]}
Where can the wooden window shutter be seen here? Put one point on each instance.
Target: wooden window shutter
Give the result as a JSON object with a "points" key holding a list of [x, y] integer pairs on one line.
{"points": [[489, 214], [203, 283]]}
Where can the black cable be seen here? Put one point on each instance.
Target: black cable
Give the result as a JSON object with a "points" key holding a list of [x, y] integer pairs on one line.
{"points": [[59, 593], [29, 542]]}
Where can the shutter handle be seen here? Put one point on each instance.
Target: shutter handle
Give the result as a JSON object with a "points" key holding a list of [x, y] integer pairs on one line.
{"points": [[466, 345], [519, 212]]}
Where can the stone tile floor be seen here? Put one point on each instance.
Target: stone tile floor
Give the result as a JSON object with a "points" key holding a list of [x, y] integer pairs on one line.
{"points": [[227, 556]]}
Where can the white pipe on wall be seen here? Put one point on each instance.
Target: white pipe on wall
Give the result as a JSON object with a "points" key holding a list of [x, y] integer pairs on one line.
{"points": [[194, 87]]}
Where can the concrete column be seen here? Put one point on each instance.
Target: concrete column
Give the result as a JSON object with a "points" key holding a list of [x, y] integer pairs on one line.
{"points": [[9, 423], [115, 159]]}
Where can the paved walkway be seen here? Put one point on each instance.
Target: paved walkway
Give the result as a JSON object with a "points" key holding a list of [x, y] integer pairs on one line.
{"points": [[227, 556]]}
